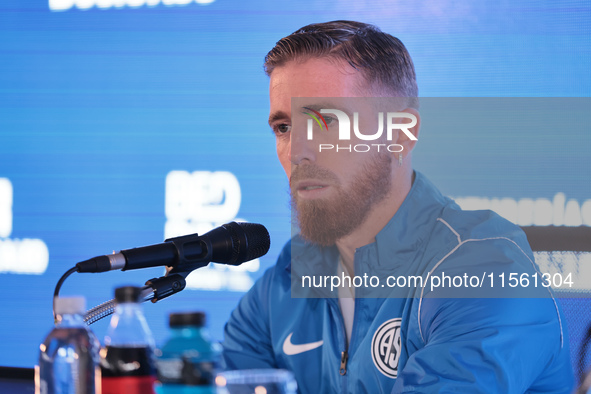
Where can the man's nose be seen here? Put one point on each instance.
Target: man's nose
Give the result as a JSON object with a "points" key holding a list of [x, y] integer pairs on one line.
{"points": [[301, 148]]}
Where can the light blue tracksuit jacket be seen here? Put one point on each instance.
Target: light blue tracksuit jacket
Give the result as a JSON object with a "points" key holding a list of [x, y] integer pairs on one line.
{"points": [[483, 339]]}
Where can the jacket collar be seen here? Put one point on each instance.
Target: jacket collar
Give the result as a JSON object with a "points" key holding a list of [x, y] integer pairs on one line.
{"points": [[397, 244]]}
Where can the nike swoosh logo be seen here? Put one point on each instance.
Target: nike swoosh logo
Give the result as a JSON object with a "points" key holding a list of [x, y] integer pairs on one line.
{"points": [[290, 349]]}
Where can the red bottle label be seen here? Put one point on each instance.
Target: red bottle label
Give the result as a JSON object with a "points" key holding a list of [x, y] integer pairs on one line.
{"points": [[129, 385]]}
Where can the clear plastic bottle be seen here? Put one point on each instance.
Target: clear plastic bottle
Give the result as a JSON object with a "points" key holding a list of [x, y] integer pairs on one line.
{"points": [[189, 359], [127, 362], [69, 356]]}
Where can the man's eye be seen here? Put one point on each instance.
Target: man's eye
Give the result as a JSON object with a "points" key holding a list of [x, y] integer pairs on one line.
{"points": [[281, 128], [329, 119]]}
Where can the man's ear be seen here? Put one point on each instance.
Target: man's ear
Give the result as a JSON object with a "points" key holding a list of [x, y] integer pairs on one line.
{"points": [[403, 134]]}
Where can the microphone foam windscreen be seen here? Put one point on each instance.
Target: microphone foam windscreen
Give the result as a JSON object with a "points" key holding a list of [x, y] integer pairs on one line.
{"points": [[258, 240]]}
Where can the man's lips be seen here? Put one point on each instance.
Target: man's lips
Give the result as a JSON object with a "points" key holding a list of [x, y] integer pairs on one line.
{"points": [[310, 185], [310, 190]]}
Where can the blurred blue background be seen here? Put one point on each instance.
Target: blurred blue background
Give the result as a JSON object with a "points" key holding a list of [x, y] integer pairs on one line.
{"points": [[122, 125]]}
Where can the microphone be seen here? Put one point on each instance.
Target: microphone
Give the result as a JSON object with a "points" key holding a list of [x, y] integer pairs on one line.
{"points": [[232, 243]]}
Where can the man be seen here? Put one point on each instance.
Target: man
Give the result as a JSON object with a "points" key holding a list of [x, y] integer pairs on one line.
{"points": [[369, 212]]}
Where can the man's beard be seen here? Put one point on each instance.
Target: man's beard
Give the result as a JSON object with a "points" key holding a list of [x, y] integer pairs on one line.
{"points": [[324, 221]]}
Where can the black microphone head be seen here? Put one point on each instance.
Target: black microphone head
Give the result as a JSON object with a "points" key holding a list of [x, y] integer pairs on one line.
{"points": [[249, 241]]}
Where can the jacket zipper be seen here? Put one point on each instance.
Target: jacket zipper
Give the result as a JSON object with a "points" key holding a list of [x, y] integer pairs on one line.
{"points": [[344, 359], [344, 353]]}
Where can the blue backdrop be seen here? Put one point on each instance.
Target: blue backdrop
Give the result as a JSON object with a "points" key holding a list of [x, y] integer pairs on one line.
{"points": [[123, 122]]}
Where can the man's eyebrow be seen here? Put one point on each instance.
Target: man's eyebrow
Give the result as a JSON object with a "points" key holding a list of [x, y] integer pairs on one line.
{"points": [[328, 105], [318, 106], [275, 116]]}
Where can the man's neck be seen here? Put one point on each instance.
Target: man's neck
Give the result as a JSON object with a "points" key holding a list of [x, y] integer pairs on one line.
{"points": [[376, 220]]}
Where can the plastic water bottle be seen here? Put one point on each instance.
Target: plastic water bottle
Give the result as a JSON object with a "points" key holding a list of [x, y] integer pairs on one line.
{"points": [[127, 362], [189, 359], [69, 356]]}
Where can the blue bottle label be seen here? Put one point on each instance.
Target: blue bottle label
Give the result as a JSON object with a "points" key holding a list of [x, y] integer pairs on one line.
{"points": [[186, 371]]}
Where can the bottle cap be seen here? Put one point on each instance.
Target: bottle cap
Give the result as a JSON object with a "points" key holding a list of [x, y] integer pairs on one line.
{"points": [[196, 319], [128, 294], [70, 305]]}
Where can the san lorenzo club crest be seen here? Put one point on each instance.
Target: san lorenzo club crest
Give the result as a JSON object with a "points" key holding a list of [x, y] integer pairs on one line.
{"points": [[386, 347]]}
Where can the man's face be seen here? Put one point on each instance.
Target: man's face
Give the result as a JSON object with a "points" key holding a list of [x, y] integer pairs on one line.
{"points": [[332, 192]]}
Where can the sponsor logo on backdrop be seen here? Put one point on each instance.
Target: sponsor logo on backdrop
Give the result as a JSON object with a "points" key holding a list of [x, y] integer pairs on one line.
{"points": [[386, 347], [196, 202], [63, 5], [558, 211], [534, 212], [18, 256]]}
